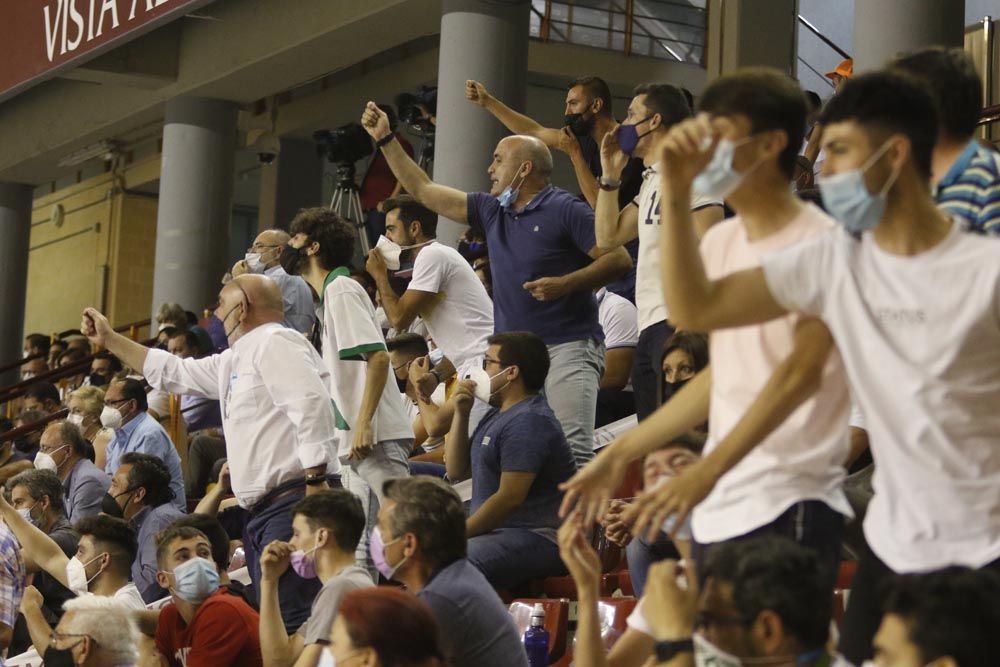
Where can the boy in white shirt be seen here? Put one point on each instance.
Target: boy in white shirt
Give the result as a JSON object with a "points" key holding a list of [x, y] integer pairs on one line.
{"points": [[912, 303], [374, 433]]}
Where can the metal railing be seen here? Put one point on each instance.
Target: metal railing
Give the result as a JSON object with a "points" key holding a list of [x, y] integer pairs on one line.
{"points": [[841, 53], [665, 29]]}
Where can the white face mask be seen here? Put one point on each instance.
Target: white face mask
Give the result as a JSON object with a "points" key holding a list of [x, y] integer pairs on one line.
{"points": [[484, 383], [76, 574], [45, 461], [111, 417], [253, 262], [390, 251], [76, 420]]}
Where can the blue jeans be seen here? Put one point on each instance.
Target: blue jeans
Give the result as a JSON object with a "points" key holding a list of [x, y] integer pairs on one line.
{"points": [[571, 389], [641, 554], [508, 557], [427, 468], [295, 593]]}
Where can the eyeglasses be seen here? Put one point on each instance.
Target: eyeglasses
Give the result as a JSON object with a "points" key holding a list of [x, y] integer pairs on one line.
{"points": [[59, 636], [487, 361], [263, 247], [51, 450], [703, 621], [116, 402]]}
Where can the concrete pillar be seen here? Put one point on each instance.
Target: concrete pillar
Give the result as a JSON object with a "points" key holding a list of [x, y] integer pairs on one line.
{"points": [[15, 232], [293, 181], [744, 33], [886, 29], [196, 192], [486, 41]]}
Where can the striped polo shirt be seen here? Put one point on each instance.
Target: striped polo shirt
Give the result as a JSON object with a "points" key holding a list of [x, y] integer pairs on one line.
{"points": [[970, 190]]}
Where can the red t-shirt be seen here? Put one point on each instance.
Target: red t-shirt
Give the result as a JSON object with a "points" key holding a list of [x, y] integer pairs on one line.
{"points": [[224, 631], [379, 180]]}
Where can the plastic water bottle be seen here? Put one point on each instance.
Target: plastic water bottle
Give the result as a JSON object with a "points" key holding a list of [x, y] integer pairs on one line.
{"points": [[536, 638]]}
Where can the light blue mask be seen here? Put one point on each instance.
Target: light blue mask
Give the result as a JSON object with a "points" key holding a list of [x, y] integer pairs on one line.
{"points": [[509, 194], [847, 199], [195, 580], [719, 179]]}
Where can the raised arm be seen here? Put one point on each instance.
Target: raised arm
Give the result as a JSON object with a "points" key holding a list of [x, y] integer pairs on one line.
{"points": [[457, 458], [517, 123], [449, 202], [613, 228], [38, 547], [96, 327], [401, 311], [694, 301]]}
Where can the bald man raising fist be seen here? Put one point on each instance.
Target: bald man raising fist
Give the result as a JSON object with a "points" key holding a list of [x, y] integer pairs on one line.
{"points": [[276, 410]]}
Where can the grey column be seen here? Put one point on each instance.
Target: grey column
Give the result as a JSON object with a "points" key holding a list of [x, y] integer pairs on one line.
{"points": [[293, 181], [15, 231], [886, 29], [196, 192], [745, 33], [488, 42]]}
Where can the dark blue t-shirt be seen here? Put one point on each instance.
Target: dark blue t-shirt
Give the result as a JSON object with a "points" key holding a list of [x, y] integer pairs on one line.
{"points": [[525, 438], [550, 237]]}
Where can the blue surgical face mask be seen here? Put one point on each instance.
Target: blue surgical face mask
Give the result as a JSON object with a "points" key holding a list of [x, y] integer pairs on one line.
{"points": [[509, 194], [195, 580], [628, 136], [719, 179], [847, 199]]}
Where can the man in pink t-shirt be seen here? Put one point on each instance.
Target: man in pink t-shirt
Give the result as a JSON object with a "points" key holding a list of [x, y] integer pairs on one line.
{"points": [[761, 473]]}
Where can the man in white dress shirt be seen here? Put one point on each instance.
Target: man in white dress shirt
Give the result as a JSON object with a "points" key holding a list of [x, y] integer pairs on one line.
{"points": [[276, 413]]}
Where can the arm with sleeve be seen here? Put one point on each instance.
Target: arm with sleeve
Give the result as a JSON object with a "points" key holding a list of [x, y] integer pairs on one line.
{"points": [[187, 377]]}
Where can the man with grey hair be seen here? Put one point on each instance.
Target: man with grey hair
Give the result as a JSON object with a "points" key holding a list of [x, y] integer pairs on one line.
{"points": [[545, 263], [63, 451], [95, 632], [264, 257]]}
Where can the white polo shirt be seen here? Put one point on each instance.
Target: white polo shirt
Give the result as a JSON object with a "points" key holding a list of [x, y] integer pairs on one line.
{"points": [[276, 409], [803, 459], [349, 333], [648, 285], [619, 320], [461, 317], [920, 338]]}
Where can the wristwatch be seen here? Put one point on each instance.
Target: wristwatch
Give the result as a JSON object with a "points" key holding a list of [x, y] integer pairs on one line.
{"points": [[666, 650], [384, 140], [315, 480], [608, 184]]}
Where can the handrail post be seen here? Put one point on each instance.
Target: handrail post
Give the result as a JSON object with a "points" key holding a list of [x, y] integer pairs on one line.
{"points": [[629, 10]]}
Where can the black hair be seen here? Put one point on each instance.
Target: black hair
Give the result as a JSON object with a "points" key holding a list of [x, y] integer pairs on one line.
{"points": [[431, 510], [38, 341], [954, 85], [526, 351], [112, 534], [597, 88], [40, 483], [150, 473], [411, 343], [334, 234], [134, 390], [215, 533], [191, 341], [769, 99], [114, 364], [888, 102], [775, 574], [338, 511], [952, 612], [42, 392], [813, 101], [667, 100], [410, 210]]}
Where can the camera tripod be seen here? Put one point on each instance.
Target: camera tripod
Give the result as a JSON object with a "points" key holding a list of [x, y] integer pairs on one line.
{"points": [[346, 203]]}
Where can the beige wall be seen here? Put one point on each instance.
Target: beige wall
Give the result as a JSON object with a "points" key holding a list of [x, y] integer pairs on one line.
{"points": [[102, 254]]}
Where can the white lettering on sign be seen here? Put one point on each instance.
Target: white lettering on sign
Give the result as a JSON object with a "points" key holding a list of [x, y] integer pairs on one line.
{"points": [[70, 23]]}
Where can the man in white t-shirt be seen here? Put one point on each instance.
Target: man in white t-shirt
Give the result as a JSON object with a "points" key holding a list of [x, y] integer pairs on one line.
{"points": [[619, 321], [373, 430], [785, 480], [912, 304], [653, 111], [444, 290]]}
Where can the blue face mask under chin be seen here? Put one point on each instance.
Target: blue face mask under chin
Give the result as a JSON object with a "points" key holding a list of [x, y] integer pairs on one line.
{"points": [[509, 194], [847, 199]]}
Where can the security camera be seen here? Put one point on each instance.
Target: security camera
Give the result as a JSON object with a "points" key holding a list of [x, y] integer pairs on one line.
{"points": [[268, 147]]}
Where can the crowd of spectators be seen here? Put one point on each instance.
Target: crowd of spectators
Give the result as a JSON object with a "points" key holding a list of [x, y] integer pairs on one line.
{"points": [[347, 464]]}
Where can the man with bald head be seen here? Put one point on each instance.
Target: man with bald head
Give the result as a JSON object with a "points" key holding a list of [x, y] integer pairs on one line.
{"points": [[276, 413], [544, 259], [263, 257]]}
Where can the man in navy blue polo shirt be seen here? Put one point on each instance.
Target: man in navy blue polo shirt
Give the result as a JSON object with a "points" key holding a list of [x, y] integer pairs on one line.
{"points": [[544, 259]]}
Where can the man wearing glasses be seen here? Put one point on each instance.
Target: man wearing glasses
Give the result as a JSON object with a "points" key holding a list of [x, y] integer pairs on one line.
{"points": [[96, 632], [264, 257], [517, 457]]}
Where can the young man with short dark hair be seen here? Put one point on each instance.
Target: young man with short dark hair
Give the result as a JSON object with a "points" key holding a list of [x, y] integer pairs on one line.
{"points": [[422, 544], [911, 301], [43, 397], [516, 457], [964, 172], [203, 625], [326, 529]]}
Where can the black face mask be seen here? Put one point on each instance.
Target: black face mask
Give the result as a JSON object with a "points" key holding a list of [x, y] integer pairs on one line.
{"points": [[110, 506], [578, 124], [401, 383], [55, 658], [291, 259], [97, 380], [471, 250]]}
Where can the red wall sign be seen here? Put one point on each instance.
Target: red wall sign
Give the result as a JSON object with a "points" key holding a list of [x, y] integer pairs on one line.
{"points": [[43, 37]]}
